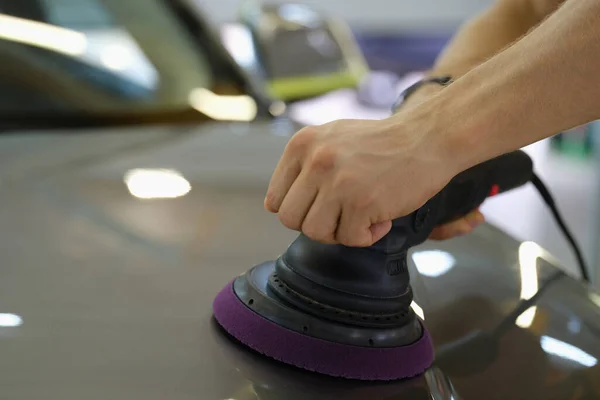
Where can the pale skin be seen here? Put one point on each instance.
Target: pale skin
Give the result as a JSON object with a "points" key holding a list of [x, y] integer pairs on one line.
{"points": [[524, 70], [476, 41]]}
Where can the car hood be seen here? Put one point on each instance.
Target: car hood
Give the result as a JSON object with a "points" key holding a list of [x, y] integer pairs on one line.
{"points": [[106, 290]]}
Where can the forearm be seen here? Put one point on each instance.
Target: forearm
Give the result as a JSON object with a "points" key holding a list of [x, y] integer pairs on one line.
{"points": [[485, 35], [545, 83]]}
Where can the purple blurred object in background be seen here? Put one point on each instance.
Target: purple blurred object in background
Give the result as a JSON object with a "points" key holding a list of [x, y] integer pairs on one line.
{"points": [[401, 53]]}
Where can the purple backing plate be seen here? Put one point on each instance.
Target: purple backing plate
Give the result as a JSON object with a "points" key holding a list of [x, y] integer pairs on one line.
{"points": [[317, 355]]}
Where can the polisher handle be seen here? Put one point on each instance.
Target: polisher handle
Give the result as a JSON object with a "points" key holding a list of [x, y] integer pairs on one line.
{"points": [[465, 192], [469, 189]]}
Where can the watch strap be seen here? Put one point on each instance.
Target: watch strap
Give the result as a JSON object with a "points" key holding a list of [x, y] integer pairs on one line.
{"points": [[406, 93]]}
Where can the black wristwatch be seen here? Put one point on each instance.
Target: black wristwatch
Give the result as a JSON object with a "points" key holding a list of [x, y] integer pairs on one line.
{"points": [[438, 80]]}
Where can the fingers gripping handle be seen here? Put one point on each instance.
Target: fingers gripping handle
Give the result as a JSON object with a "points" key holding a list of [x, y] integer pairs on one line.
{"points": [[465, 192], [469, 189], [379, 275]]}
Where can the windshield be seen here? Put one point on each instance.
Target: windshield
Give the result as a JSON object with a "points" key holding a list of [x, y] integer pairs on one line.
{"points": [[114, 58]]}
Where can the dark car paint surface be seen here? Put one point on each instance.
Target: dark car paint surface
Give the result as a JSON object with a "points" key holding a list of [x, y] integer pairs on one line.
{"points": [[107, 296]]}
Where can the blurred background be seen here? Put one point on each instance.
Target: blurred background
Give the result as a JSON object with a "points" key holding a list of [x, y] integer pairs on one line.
{"points": [[383, 16], [311, 61]]}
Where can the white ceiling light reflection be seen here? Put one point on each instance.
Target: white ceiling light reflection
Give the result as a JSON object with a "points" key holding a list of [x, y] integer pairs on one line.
{"points": [[116, 57], [529, 252], [10, 320], [238, 41], [299, 14], [42, 35], [433, 263], [156, 183], [526, 318], [418, 310], [567, 351], [277, 108], [222, 107], [595, 298]]}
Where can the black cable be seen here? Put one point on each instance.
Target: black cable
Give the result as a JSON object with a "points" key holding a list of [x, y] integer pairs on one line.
{"points": [[545, 193]]}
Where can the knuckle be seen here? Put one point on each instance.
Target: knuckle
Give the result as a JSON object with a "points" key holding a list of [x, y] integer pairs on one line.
{"points": [[302, 140], [345, 181], [323, 159], [363, 199]]}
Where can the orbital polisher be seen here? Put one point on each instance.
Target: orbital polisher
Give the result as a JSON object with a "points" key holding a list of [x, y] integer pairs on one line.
{"points": [[345, 311]]}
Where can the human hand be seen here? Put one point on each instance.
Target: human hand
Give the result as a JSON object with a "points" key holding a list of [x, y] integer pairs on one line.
{"points": [[459, 227], [345, 181]]}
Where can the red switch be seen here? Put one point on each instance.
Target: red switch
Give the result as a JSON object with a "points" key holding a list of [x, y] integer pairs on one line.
{"points": [[494, 191]]}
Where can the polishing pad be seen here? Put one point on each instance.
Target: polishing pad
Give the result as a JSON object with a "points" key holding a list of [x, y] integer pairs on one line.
{"points": [[318, 355]]}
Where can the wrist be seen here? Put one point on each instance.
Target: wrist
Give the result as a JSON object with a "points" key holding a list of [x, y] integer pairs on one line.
{"points": [[424, 126], [446, 132], [419, 96]]}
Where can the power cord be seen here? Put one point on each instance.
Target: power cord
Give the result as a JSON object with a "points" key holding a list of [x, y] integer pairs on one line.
{"points": [[545, 193]]}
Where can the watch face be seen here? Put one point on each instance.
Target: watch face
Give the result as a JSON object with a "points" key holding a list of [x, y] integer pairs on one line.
{"points": [[303, 52]]}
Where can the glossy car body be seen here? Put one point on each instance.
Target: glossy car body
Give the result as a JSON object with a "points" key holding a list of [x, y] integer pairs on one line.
{"points": [[116, 239]]}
